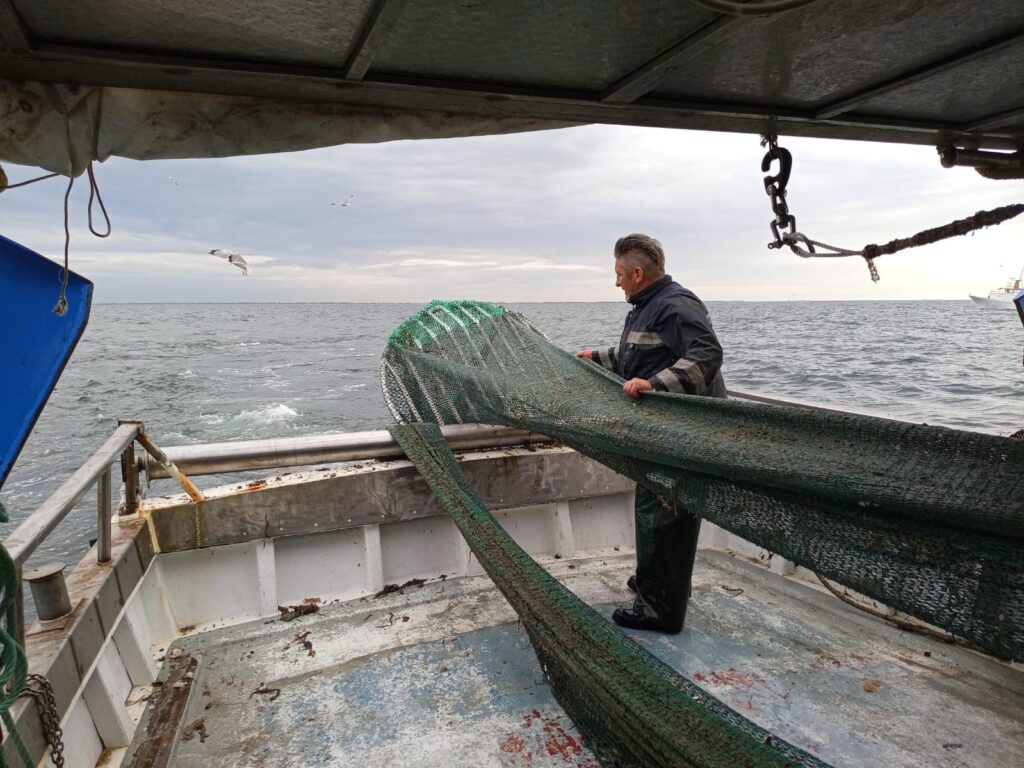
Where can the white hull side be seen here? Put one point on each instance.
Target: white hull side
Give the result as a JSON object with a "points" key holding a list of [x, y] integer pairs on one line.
{"points": [[993, 303]]}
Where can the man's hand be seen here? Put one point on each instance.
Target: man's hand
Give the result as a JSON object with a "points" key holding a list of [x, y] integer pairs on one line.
{"points": [[586, 354], [634, 387]]}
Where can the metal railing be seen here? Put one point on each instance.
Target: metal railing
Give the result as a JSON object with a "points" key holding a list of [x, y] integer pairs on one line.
{"points": [[179, 462], [27, 537], [211, 458], [274, 453]]}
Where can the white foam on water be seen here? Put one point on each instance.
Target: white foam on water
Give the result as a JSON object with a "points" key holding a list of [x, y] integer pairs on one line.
{"points": [[269, 414]]}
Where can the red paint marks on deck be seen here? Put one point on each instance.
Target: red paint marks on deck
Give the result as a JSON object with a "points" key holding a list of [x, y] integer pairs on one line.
{"points": [[733, 678], [515, 744], [547, 736]]}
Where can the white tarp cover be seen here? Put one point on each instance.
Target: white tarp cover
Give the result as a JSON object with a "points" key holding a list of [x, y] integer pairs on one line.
{"points": [[63, 128]]}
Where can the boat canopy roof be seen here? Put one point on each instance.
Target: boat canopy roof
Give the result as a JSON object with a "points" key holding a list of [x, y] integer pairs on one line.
{"points": [[85, 79]]}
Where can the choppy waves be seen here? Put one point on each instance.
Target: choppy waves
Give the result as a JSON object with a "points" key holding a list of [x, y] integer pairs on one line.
{"points": [[239, 372]]}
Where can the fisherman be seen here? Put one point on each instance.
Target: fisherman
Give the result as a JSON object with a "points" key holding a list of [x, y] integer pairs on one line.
{"points": [[667, 345]]}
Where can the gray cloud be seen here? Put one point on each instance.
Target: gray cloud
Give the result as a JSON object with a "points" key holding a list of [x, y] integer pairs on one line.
{"points": [[517, 218]]}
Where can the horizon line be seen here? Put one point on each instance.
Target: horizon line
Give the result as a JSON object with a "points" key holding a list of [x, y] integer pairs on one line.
{"points": [[513, 301]]}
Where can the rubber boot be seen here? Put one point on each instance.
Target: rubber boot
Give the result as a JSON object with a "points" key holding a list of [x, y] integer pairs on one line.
{"points": [[666, 546]]}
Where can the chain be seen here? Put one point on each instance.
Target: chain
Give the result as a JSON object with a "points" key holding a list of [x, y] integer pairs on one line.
{"points": [[775, 186], [784, 224], [40, 689]]}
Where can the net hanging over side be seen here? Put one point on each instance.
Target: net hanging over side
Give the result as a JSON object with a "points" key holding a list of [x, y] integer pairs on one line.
{"points": [[925, 519]]}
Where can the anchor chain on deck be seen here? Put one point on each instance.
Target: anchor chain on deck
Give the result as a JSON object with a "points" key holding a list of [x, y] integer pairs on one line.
{"points": [[39, 688]]}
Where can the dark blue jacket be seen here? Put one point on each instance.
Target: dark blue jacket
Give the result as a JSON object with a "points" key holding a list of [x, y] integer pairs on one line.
{"points": [[668, 340]]}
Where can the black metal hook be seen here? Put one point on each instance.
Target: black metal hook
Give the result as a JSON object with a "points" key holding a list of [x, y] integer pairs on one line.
{"points": [[780, 180]]}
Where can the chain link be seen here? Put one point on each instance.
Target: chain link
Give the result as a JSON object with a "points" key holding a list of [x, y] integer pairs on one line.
{"points": [[786, 234], [775, 186], [40, 689]]}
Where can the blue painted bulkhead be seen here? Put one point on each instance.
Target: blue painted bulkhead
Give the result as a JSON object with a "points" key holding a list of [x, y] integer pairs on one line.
{"points": [[35, 342]]}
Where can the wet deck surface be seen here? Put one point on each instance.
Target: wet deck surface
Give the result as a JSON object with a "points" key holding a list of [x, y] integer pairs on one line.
{"points": [[442, 675]]}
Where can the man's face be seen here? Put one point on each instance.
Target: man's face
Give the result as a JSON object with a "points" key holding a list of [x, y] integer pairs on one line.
{"points": [[629, 280]]}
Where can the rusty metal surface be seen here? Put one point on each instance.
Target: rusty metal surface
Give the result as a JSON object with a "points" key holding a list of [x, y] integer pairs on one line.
{"points": [[332, 499], [163, 725], [279, 452]]}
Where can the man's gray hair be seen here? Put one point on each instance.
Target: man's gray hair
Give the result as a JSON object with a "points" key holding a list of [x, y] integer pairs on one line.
{"points": [[642, 251]]}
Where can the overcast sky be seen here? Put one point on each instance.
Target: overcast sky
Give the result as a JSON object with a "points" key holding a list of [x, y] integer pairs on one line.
{"points": [[528, 217]]}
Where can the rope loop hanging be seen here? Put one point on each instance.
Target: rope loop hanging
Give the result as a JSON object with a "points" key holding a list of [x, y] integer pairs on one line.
{"points": [[61, 307]]}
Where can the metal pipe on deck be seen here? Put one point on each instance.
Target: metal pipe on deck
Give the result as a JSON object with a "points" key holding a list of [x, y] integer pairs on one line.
{"points": [[154, 451], [214, 458]]}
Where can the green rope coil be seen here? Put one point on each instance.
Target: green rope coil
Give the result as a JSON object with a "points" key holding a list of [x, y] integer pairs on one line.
{"points": [[13, 663]]}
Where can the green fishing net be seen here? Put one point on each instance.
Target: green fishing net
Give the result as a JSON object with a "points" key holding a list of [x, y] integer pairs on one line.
{"points": [[925, 519], [633, 710]]}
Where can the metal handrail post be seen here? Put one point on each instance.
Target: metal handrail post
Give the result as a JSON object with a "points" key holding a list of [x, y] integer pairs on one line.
{"points": [[24, 540], [103, 522], [130, 478]]}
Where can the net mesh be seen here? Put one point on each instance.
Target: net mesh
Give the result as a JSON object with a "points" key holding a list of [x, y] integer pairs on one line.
{"points": [[925, 519], [632, 709]]}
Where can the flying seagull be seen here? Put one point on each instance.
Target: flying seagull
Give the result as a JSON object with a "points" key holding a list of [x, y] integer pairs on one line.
{"points": [[346, 203], [233, 258], [173, 180]]}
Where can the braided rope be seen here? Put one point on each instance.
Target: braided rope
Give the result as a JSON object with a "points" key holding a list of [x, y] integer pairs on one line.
{"points": [[830, 251], [871, 252]]}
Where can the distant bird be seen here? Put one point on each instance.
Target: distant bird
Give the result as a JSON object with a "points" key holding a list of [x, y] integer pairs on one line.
{"points": [[233, 258], [173, 180], [346, 203]]}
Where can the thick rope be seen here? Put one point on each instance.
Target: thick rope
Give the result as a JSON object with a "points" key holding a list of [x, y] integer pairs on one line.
{"points": [[1000, 174], [871, 252]]}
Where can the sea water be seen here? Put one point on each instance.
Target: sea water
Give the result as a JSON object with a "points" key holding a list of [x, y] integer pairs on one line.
{"points": [[212, 372]]}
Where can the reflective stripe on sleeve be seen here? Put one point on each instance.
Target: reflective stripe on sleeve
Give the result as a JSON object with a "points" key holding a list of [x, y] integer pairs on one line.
{"points": [[644, 339], [673, 377]]}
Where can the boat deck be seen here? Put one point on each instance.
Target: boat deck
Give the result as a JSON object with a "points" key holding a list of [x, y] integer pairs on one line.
{"points": [[442, 674]]}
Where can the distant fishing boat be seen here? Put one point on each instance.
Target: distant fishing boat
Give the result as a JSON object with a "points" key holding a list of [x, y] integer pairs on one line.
{"points": [[1002, 298]]}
